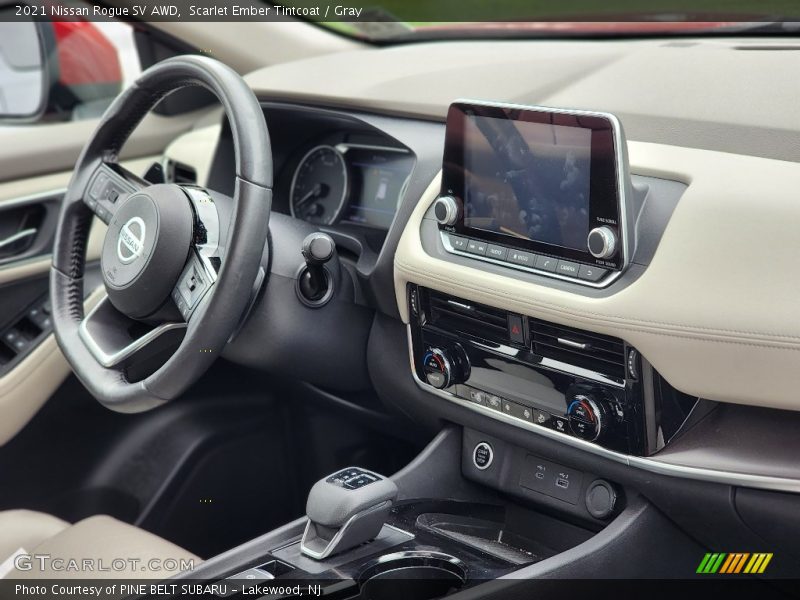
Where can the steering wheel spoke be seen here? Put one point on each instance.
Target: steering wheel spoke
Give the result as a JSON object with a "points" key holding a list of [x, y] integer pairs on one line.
{"points": [[108, 187], [118, 342], [195, 282]]}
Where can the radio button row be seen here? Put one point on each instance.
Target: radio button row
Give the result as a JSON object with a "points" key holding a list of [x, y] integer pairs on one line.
{"points": [[527, 259], [459, 243], [476, 247], [565, 267], [590, 273], [517, 257], [546, 263], [496, 252]]}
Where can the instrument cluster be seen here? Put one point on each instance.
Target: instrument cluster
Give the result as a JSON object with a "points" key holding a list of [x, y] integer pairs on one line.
{"points": [[349, 182]]}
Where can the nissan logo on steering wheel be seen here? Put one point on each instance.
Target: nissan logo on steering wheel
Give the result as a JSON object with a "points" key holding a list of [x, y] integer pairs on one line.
{"points": [[130, 243]]}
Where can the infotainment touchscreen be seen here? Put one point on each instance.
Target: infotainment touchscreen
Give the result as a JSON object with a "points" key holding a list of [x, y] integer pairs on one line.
{"points": [[541, 180], [527, 180]]}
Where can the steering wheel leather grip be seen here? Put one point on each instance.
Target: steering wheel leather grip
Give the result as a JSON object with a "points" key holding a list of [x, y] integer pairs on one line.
{"points": [[236, 256]]}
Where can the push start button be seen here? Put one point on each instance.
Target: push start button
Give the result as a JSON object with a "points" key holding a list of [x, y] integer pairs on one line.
{"points": [[482, 456]]}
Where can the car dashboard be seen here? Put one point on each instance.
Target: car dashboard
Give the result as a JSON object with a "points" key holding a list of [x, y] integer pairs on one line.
{"points": [[364, 164]]}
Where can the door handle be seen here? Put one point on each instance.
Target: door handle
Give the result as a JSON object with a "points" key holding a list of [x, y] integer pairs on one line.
{"points": [[17, 238]]}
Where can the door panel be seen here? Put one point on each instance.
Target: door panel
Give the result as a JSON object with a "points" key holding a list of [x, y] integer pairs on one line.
{"points": [[31, 365]]}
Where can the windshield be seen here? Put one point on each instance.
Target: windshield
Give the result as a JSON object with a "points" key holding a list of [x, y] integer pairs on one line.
{"points": [[410, 20]]}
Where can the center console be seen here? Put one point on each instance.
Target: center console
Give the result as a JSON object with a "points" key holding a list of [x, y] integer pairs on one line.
{"points": [[544, 196], [442, 527], [472, 516], [582, 387], [534, 374]]}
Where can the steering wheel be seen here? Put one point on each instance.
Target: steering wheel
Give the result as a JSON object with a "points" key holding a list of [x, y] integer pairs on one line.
{"points": [[179, 263]]}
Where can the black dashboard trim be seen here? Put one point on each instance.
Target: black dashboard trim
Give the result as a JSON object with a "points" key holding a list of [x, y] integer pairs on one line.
{"points": [[659, 467]]}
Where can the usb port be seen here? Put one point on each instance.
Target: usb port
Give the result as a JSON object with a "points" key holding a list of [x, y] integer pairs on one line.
{"points": [[562, 483]]}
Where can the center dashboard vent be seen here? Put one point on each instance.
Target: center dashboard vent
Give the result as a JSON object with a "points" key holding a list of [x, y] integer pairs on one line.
{"points": [[453, 314], [600, 353]]}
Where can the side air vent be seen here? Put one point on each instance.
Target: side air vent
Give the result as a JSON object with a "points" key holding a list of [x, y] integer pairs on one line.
{"points": [[600, 353], [462, 316], [181, 173]]}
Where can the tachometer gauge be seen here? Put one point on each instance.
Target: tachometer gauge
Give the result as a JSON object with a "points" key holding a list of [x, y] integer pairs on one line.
{"points": [[319, 186]]}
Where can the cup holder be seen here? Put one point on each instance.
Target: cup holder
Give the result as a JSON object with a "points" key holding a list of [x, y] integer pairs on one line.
{"points": [[415, 574]]}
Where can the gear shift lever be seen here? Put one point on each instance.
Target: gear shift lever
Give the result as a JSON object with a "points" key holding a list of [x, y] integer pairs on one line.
{"points": [[345, 510]]}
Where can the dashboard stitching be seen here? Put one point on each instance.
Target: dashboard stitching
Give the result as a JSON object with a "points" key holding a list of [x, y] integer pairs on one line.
{"points": [[626, 323]]}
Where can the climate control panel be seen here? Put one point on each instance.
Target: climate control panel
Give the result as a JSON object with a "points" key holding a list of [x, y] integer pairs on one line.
{"points": [[575, 383]]}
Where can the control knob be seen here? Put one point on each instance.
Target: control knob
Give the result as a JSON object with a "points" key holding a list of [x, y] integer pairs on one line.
{"points": [[438, 368], [446, 209], [587, 416], [602, 242], [444, 368]]}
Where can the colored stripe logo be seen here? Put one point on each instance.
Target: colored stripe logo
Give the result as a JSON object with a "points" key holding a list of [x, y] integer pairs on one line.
{"points": [[734, 563]]}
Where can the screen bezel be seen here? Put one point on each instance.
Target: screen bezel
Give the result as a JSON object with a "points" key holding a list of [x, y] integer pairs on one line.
{"points": [[605, 192]]}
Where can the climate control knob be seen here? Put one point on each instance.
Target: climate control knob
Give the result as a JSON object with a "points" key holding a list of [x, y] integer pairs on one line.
{"points": [[602, 242], [438, 368], [586, 416], [446, 210]]}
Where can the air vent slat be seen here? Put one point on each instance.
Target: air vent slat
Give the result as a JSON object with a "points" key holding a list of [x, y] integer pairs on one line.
{"points": [[600, 353], [477, 320], [610, 357]]}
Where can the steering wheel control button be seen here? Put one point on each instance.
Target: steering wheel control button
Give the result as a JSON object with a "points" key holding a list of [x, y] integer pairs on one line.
{"points": [[98, 186], [600, 499], [602, 242], [482, 456], [158, 222], [590, 273], [192, 285]]}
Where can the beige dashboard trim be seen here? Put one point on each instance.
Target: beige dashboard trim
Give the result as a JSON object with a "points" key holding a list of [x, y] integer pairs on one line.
{"points": [[715, 312]]}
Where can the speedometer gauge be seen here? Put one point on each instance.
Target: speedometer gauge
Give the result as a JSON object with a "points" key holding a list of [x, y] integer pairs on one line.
{"points": [[319, 186]]}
